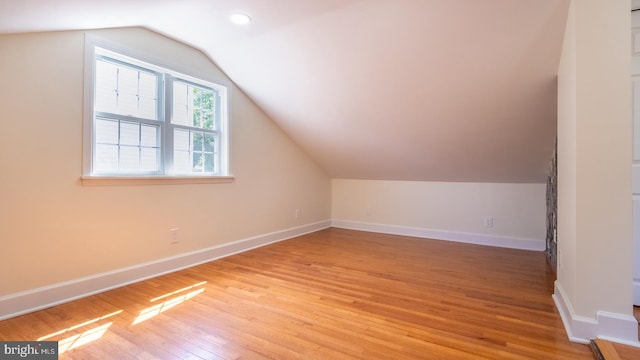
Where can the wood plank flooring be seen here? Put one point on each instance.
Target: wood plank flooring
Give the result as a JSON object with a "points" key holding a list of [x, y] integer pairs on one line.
{"points": [[333, 294], [626, 352], [604, 350]]}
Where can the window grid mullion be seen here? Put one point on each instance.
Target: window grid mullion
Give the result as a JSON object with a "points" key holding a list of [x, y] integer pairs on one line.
{"points": [[139, 138], [167, 149], [119, 143], [106, 115]]}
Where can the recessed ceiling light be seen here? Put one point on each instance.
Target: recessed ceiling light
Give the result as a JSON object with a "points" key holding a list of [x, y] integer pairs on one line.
{"points": [[239, 18]]}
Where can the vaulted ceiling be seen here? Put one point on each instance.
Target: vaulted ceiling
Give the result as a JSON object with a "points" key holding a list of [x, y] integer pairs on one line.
{"points": [[427, 90]]}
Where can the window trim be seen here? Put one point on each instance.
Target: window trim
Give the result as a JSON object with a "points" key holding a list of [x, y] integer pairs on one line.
{"points": [[177, 72]]}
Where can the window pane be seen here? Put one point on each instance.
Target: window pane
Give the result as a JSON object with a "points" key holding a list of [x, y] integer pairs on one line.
{"points": [[106, 86], [208, 163], [180, 107], [209, 142], [181, 162], [181, 140], [147, 105], [129, 133], [207, 120], [149, 159], [106, 158], [147, 108], [203, 104], [127, 91], [193, 106], [106, 131], [196, 140], [149, 135], [129, 158], [198, 162]]}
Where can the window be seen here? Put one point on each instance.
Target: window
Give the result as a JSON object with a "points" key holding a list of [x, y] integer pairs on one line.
{"points": [[149, 121]]}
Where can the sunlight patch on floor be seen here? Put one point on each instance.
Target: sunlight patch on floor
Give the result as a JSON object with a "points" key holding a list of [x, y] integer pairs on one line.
{"points": [[85, 337], [178, 291], [74, 327], [154, 310]]}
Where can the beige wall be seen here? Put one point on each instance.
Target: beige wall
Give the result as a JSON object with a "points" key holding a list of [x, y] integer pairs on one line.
{"points": [[518, 209], [594, 159], [56, 229], [567, 155]]}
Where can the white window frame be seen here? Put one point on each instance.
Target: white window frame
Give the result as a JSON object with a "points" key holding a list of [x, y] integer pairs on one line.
{"points": [[168, 73]]}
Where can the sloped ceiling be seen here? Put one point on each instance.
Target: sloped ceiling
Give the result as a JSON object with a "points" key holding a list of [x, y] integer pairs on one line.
{"points": [[427, 90]]}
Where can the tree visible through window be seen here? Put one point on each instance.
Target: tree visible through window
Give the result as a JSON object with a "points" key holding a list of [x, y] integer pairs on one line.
{"points": [[194, 111]]}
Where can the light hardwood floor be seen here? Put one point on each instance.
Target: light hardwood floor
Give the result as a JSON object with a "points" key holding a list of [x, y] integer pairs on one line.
{"points": [[626, 352], [333, 294]]}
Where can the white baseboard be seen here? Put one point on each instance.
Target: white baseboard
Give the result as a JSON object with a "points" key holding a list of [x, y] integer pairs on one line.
{"points": [[457, 236], [610, 326], [31, 300]]}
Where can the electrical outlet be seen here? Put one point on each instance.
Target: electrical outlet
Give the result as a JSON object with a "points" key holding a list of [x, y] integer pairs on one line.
{"points": [[296, 213], [368, 210], [175, 235], [488, 222]]}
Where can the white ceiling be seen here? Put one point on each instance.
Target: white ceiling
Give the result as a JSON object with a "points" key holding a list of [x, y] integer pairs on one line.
{"points": [[429, 90]]}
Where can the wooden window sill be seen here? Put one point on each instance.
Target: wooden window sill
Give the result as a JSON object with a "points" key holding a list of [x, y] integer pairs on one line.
{"points": [[154, 180]]}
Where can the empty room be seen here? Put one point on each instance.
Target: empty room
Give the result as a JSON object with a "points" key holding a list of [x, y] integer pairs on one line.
{"points": [[319, 179]]}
